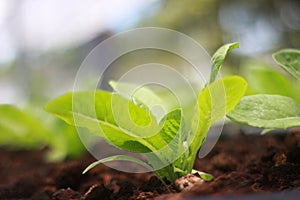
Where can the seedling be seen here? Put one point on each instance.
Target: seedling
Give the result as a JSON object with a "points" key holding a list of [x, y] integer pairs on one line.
{"points": [[271, 111], [170, 144]]}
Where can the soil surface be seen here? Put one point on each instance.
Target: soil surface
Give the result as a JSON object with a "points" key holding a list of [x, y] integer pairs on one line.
{"points": [[241, 164]]}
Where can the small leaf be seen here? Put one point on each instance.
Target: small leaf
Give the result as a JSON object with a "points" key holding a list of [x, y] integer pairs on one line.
{"points": [[267, 111], [205, 176], [218, 59], [265, 131], [289, 59], [118, 158]]}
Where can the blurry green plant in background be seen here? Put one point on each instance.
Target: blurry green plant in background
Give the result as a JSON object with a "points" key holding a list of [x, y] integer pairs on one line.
{"points": [[265, 79], [31, 129], [275, 110]]}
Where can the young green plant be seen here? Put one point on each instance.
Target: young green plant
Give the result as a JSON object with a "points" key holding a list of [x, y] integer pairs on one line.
{"points": [[170, 144]]}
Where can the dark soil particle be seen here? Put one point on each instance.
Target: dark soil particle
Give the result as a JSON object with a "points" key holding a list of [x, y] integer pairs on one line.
{"points": [[242, 164]]}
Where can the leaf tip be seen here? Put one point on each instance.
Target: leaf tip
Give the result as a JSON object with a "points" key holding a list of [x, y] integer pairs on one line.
{"points": [[88, 168]]}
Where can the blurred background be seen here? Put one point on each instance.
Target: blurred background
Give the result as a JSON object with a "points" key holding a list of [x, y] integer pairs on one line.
{"points": [[43, 42]]}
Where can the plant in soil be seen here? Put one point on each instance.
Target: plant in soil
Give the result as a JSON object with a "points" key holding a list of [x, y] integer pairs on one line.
{"points": [[170, 143], [240, 164]]}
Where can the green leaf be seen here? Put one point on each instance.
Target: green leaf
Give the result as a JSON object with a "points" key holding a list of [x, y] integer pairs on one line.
{"points": [[171, 125], [19, 129], [289, 59], [214, 102], [267, 111], [268, 81], [173, 134], [222, 96], [149, 98], [144, 96], [31, 128], [64, 141], [118, 158], [112, 117], [218, 59], [205, 176], [265, 131]]}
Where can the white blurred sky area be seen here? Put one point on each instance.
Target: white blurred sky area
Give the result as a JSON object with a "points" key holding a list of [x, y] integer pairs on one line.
{"points": [[31, 29], [52, 24], [37, 26]]}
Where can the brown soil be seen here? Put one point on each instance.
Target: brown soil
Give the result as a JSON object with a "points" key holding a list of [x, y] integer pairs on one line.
{"points": [[240, 164]]}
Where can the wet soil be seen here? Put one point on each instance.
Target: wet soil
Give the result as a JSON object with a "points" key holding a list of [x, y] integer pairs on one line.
{"points": [[241, 165]]}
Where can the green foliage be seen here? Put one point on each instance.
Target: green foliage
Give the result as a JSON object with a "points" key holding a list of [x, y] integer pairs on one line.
{"points": [[272, 111], [218, 59], [289, 59], [149, 96], [22, 129], [63, 140], [214, 102], [203, 175], [267, 111], [19, 129], [170, 144], [263, 79], [165, 140]]}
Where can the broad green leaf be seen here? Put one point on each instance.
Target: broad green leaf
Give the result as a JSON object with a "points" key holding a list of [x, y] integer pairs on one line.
{"points": [[267, 111], [218, 59], [222, 96], [19, 129], [214, 102], [296, 93], [289, 59], [118, 120], [118, 158]]}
